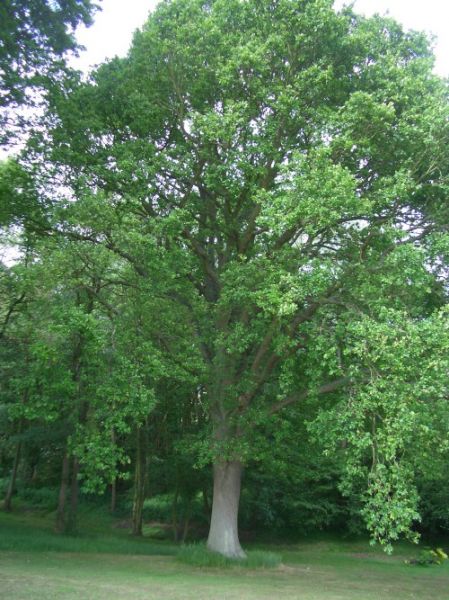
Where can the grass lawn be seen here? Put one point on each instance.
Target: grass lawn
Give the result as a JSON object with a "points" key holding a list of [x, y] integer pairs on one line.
{"points": [[35, 564]]}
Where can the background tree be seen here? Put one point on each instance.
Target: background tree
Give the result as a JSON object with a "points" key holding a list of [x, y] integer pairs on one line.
{"points": [[36, 36]]}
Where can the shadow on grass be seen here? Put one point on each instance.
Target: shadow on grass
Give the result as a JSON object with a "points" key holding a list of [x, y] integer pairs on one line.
{"points": [[27, 533]]}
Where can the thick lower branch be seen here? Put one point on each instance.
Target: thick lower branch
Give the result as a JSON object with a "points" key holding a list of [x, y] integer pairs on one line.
{"points": [[326, 388]]}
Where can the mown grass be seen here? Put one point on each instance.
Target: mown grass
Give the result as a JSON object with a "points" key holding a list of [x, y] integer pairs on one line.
{"points": [[104, 563]]}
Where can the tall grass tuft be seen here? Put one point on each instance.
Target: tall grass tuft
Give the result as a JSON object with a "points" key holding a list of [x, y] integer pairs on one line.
{"points": [[198, 555]]}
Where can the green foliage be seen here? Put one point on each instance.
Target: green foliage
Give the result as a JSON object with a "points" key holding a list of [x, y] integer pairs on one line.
{"points": [[389, 426], [19, 203], [291, 488], [35, 33], [434, 504], [3, 485], [36, 37], [39, 497], [158, 508]]}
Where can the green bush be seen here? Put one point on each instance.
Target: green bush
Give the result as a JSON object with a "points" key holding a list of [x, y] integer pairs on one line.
{"points": [[434, 506], [292, 502], [429, 556], [43, 497], [156, 533], [158, 508], [198, 555]]}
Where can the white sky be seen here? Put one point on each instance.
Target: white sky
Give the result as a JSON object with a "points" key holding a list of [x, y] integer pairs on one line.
{"points": [[112, 31]]}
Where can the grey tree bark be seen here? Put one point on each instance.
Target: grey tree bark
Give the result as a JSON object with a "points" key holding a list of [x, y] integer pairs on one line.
{"points": [[223, 533]]}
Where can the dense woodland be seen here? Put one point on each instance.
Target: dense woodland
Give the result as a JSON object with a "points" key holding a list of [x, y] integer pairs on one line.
{"points": [[230, 277]]}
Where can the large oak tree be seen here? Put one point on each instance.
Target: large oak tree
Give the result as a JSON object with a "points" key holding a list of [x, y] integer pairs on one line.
{"points": [[280, 171]]}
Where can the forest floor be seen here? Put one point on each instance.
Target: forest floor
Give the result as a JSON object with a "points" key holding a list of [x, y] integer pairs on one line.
{"points": [[36, 564]]}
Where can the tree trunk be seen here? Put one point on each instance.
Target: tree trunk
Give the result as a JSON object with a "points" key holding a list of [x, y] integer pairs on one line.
{"points": [[223, 533], [139, 480], [61, 510], [74, 494], [114, 481], [187, 515], [206, 504], [113, 506], [12, 482], [175, 514], [186, 529]]}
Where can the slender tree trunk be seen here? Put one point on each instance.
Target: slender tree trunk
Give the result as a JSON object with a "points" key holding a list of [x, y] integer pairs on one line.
{"points": [[12, 482], [139, 480], [72, 521], [187, 516], [113, 482], [113, 506], [223, 533], [7, 505], [206, 504], [61, 510], [175, 514]]}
